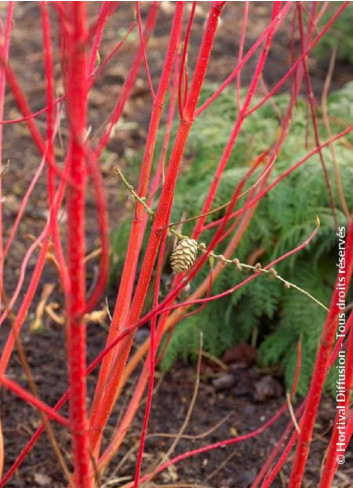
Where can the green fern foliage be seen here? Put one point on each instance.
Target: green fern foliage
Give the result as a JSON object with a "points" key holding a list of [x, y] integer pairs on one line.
{"points": [[338, 37], [283, 219]]}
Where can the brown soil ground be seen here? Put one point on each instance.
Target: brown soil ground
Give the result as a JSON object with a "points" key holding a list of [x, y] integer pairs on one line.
{"points": [[232, 466]]}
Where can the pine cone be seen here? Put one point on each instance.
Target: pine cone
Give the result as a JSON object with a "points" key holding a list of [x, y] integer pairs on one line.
{"points": [[184, 255]]}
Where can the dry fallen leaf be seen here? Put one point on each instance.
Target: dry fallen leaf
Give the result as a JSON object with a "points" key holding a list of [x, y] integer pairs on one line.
{"points": [[46, 293], [50, 310], [97, 316]]}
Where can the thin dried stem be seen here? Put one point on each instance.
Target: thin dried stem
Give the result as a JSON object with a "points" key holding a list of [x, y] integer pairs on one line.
{"points": [[291, 412], [326, 120]]}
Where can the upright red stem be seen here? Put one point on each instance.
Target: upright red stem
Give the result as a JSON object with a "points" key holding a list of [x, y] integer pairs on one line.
{"points": [[182, 79], [49, 79], [163, 210], [162, 213], [115, 443], [241, 50], [310, 95], [5, 34], [143, 47], [275, 21], [129, 82], [237, 126], [125, 289], [330, 465], [74, 53], [107, 8], [320, 372], [152, 363], [294, 66]]}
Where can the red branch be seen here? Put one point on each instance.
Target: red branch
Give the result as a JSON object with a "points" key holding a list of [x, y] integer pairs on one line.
{"points": [[75, 70]]}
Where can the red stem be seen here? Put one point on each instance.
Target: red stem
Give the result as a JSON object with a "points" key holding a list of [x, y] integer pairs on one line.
{"points": [[25, 451], [49, 79], [107, 8], [152, 362], [301, 57], [175, 288], [137, 395], [143, 47], [161, 217], [26, 111], [103, 225], [182, 75], [265, 472], [126, 284], [33, 400], [275, 22], [75, 69], [51, 132], [320, 371], [115, 443], [5, 34], [237, 126], [213, 446], [311, 99], [32, 287], [284, 175], [159, 175], [96, 74], [129, 83], [163, 210], [262, 475], [132, 408], [330, 464], [241, 50], [270, 477]]}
